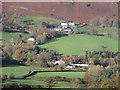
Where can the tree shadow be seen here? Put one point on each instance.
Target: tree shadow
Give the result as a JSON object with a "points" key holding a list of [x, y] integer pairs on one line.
{"points": [[11, 63]]}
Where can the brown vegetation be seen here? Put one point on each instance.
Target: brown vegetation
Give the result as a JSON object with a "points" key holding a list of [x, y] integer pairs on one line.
{"points": [[80, 11]]}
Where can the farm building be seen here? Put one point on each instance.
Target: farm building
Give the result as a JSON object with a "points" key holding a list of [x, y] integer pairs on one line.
{"points": [[70, 66], [76, 65], [58, 29], [64, 25], [67, 25], [60, 62], [67, 30], [31, 39], [71, 24]]}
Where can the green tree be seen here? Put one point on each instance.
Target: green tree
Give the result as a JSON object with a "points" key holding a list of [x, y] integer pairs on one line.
{"points": [[42, 60], [76, 83], [49, 82]]}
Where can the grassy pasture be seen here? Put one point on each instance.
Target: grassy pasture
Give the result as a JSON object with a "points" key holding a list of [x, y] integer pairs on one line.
{"points": [[62, 74], [59, 84], [39, 19], [108, 30], [21, 70], [78, 44], [7, 37]]}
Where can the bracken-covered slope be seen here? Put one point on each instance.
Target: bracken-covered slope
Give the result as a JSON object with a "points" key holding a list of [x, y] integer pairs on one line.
{"points": [[77, 11]]}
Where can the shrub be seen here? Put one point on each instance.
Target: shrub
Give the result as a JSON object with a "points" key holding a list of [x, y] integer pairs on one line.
{"points": [[76, 82], [50, 81], [4, 77], [65, 79], [11, 76], [10, 85]]}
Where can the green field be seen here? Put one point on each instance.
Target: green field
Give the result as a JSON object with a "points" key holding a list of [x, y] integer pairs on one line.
{"points": [[59, 84], [40, 19], [19, 70], [78, 44], [36, 80], [62, 74], [108, 30], [8, 37], [22, 70]]}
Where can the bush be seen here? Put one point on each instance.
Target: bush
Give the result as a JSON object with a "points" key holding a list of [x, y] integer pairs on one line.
{"points": [[10, 85], [50, 81], [4, 77], [109, 83], [11, 76], [58, 78], [16, 85], [76, 82]]}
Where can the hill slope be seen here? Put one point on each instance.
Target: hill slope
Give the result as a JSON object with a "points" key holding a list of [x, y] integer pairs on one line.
{"points": [[80, 11], [78, 44]]}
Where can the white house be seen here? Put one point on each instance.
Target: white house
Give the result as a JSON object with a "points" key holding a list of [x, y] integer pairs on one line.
{"points": [[58, 29], [60, 62], [71, 24], [80, 65], [67, 24], [76, 65], [64, 25], [67, 30], [31, 39], [70, 66]]}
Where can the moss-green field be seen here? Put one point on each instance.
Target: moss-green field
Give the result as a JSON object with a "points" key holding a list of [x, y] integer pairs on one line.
{"points": [[8, 37], [39, 20], [78, 44], [108, 30], [22, 70], [36, 80]]}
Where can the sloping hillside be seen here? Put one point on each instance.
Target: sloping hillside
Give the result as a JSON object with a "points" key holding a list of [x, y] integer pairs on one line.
{"points": [[68, 11]]}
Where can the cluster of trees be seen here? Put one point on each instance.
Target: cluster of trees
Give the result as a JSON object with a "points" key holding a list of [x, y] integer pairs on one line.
{"points": [[103, 21], [42, 35], [13, 22], [74, 82], [3, 77], [103, 58], [34, 55], [20, 86], [49, 82], [99, 77], [97, 31]]}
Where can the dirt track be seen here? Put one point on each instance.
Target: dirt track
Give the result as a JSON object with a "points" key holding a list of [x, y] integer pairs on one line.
{"points": [[68, 11]]}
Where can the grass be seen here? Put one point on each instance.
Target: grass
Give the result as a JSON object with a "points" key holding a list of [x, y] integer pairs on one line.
{"points": [[59, 84], [108, 30], [78, 44], [8, 37], [26, 81], [62, 74], [21, 70], [62, 85], [82, 29], [39, 19], [0, 38]]}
